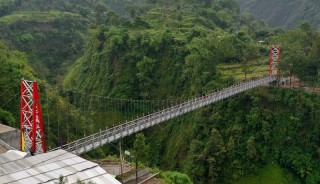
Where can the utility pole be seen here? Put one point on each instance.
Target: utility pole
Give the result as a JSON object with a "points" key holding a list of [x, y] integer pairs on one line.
{"points": [[121, 171], [136, 168]]}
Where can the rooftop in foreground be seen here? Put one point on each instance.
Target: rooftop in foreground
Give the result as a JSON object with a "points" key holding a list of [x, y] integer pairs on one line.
{"points": [[17, 167]]}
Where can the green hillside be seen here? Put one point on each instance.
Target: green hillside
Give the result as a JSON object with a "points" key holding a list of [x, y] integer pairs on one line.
{"points": [[283, 13], [14, 66], [102, 62], [53, 39], [173, 53]]}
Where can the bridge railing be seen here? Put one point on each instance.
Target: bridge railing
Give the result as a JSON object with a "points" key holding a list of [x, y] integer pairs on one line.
{"points": [[101, 138]]}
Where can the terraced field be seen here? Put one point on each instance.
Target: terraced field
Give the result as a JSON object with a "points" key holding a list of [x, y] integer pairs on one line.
{"points": [[238, 71]]}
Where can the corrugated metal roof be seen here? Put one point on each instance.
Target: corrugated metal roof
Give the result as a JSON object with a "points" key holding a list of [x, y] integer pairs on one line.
{"points": [[48, 167], [10, 156]]}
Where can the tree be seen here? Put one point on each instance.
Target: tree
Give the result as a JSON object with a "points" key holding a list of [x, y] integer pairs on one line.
{"points": [[100, 10], [195, 164], [251, 149], [140, 150], [7, 118], [62, 180], [145, 74], [176, 178], [216, 152], [82, 182], [301, 54]]}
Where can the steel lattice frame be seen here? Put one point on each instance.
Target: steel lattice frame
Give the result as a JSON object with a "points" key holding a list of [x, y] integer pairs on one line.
{"points": [[31, 123], [274, 60]]}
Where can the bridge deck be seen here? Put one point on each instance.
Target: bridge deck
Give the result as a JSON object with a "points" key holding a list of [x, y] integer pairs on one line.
{"points": [[112, 134]]}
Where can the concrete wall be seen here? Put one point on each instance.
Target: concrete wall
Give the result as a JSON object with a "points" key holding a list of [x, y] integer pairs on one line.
{"points": [[133, 177], [12, 138]]}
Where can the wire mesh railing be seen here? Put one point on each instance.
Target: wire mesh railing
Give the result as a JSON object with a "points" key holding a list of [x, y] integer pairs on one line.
{"points": [[109, 135]]}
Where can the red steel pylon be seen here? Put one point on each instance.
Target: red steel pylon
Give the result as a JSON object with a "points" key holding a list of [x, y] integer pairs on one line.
{"points": [[31, 123], [275, 51]]}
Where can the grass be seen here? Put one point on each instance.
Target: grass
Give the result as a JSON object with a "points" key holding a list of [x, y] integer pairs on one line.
{"points": [[236, 71], [272, 173], [33, 16]]}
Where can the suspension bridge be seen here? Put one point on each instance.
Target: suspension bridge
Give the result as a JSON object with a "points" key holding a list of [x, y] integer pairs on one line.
{"points": [[32, 128], [115, 133]]}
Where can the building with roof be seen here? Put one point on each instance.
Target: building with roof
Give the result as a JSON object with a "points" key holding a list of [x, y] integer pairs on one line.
{"points": [[21, 168]]}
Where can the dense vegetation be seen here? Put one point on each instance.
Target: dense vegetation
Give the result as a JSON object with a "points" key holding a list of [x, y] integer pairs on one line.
{"points": [[238, 136], [185, 46], [87, 58], [52, 39], [285, 13], [14, 66], [301, 51]]}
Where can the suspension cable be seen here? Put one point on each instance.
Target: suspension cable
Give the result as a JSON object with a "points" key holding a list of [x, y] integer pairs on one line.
{"points": [[9, 87], [48, 119], [9, 100]]}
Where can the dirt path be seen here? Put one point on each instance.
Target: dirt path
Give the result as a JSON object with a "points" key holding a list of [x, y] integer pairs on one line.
{"points": [[295, 83]]}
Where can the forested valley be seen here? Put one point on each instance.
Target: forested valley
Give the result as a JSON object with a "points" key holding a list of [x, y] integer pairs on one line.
{"points": [[87, 54]]}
